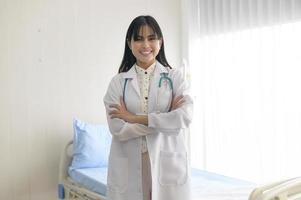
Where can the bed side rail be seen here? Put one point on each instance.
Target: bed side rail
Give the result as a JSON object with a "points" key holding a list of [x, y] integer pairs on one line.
{"points": [[284, 190], [63, 169]]}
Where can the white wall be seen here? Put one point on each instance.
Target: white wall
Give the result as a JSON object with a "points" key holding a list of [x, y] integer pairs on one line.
{"points": [[56, 59]]}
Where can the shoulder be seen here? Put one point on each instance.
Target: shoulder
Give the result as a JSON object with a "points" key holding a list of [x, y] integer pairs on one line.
{"points": [[180, 83], [173, 73], [115, 85], [176, 73], [116, 79]]}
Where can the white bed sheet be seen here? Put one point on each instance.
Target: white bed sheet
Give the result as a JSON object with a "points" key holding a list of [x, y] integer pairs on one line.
{"points": [[205, 185], [211, 186]]}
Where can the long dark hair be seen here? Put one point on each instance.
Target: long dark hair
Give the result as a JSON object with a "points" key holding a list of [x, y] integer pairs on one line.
{"points": [[129, 59]]}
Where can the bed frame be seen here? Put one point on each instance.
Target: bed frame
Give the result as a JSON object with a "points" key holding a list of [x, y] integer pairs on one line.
{"points": [[67, 188], [70, 190], [284, 190]]}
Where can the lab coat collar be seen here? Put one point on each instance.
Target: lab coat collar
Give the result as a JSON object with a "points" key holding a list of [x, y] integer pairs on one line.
{"points": [[132, 75], [160, 69]]}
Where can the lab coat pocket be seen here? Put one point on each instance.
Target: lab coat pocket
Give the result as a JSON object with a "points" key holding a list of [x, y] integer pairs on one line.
{"points": [[173, 168], [118, 175]]}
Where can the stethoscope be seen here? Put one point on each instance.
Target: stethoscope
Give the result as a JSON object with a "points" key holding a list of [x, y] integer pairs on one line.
{"points": [[164, 76]]}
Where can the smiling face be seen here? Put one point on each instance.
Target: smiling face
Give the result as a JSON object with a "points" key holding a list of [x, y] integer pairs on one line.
{"points": [[145, 47]]}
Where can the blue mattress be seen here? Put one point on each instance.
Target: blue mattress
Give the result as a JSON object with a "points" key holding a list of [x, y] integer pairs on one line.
{"points": [[204, 185]]}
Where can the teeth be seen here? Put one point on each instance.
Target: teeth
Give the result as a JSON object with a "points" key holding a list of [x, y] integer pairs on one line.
{"points": [[145, 52]]}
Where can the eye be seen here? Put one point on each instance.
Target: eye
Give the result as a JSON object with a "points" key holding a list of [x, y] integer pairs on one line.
{"points": [[152, 37], [139, 38]]}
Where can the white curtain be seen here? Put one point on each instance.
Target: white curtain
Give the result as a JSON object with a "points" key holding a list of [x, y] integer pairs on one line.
{"points": [[245, 66]]}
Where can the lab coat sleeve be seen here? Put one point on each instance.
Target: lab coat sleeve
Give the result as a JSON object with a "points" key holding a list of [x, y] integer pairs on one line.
{"points": [[119, 128], [171, 122]]}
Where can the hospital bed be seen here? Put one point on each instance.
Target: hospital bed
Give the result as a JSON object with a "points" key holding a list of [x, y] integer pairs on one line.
{"points": [[90, 184], [68, 187]]}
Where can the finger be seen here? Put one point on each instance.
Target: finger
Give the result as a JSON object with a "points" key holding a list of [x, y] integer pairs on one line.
{"points": [[113, 112], [115, 116], [121, 102], [178, 98], [181, 97], [181, 101], [176, 101], [115, 106], [179, 104]]}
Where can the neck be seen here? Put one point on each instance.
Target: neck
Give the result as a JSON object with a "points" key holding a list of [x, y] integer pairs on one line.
{"points": [[145, 65]]}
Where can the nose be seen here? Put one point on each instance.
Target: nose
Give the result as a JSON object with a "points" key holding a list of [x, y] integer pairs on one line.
{"points": [[145, 43]]}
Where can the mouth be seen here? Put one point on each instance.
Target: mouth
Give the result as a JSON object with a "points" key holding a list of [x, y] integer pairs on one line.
{"points": [[145, 53]]}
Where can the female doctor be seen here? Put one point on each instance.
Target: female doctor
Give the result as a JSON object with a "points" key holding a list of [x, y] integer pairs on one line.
{"points": [[148, 109]]}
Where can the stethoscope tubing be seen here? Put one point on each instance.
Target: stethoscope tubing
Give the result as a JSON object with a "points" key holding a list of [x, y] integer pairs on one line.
{"points": [[163, 76]]}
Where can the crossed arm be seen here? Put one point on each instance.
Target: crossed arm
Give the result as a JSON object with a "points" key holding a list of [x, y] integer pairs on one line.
{"points": [[125, 125], [121, 112]]}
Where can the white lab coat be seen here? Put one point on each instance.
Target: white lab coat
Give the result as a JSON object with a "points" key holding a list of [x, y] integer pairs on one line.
{"points": [[164, 135]]}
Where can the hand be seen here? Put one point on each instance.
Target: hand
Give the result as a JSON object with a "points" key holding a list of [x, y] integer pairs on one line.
{"points": [[177, 102], [121, 112]]}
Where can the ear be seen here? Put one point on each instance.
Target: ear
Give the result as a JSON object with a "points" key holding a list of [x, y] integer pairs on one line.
{"points": [[160, 42]]}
